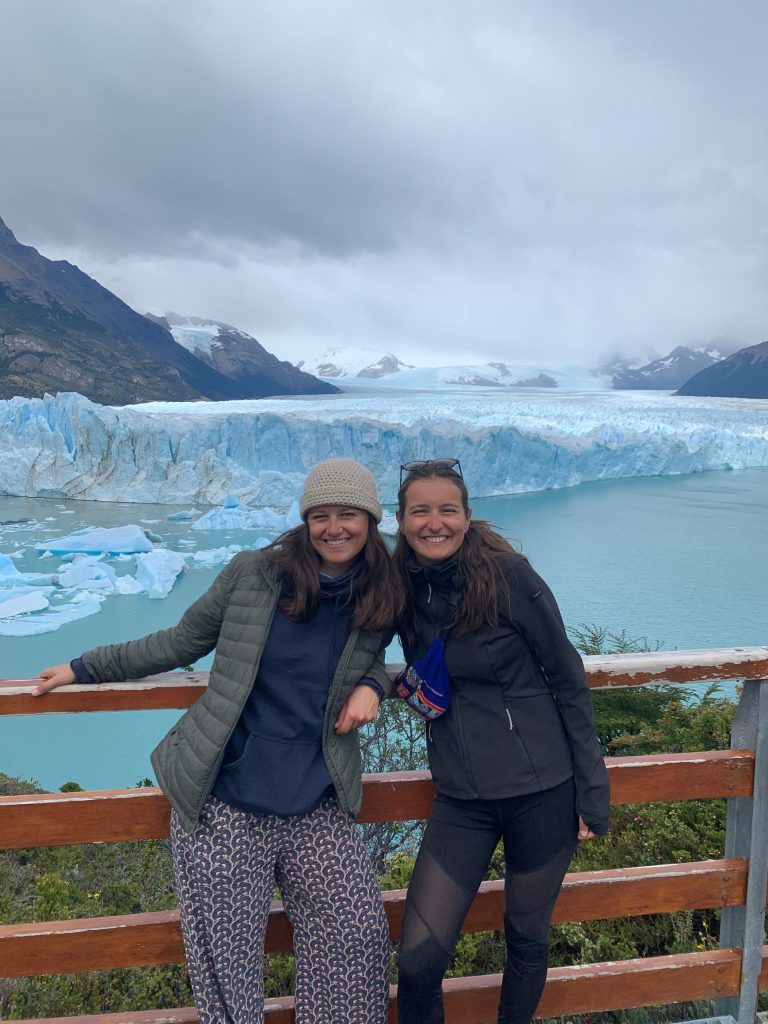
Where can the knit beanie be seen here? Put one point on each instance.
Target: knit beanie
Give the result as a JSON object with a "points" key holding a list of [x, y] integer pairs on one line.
{"points": [[340, 482]]}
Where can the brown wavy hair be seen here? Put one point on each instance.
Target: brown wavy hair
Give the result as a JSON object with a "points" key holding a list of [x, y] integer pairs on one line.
{"points": [[376, 589], [478, 563]]}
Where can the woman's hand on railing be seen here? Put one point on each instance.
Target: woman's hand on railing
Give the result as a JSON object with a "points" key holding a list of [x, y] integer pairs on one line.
{"points": [[58, 675]]}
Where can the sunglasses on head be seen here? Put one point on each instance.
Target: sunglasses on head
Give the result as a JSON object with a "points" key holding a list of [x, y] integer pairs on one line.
{"points": [[414, 467]]}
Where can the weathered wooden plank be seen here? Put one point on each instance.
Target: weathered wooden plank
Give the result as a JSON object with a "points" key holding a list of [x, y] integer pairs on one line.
{"points": [[59, 819], [276, 1011], [62, 819], [178, 1015], [606, 986], [601, 895], [658, 888], [180, 689], [661, 777], [396, 796], [63, 947], [581, 989], [100, 943], [643, 982], [57, 947], [163, 691], [669, 667]]}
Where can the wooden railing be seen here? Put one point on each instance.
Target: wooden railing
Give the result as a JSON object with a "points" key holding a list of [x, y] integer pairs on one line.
{"points": [[732, 975]]}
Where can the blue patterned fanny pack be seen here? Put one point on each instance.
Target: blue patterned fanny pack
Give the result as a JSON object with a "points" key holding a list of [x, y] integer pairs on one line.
{"points": [[425, 685]]}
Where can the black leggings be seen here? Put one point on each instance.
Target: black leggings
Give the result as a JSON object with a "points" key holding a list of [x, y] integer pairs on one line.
{"points": [[539, 832]]}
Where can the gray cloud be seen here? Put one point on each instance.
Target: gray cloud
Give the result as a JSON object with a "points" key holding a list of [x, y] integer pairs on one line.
{"points": [[500, 180]]}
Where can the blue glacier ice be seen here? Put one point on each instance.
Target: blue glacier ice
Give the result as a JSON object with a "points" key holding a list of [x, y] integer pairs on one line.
{"points": [[218, 556], [21, 600], [260, 451], [81, 605], [183, 516], [97, 540], [86, 572], [156, 571], [11, 577]]}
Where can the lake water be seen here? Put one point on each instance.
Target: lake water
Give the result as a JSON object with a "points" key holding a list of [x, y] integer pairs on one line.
{"points": [[682, 561]]}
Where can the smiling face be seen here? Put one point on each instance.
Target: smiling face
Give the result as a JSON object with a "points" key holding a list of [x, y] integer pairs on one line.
{"points": [[433, 519], [338, 534]]}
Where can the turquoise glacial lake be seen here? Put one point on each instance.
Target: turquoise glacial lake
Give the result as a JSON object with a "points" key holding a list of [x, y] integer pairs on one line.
{"points": [[681, 561]]}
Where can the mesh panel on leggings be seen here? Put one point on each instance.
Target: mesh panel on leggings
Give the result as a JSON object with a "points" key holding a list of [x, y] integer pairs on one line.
{"points": [[439, 903], [531, 895]]}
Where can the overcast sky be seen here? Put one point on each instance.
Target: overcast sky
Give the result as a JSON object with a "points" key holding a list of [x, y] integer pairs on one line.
{"points": [[526, 180]]}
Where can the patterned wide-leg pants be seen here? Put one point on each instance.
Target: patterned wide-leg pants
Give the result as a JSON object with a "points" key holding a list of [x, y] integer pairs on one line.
{"points": [[226, 871]]}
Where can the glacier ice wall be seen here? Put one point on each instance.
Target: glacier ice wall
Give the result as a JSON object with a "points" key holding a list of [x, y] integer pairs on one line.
{"points": [[68, 447]]}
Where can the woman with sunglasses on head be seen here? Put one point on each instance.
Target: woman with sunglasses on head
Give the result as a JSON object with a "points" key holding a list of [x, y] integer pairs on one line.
{"points": [[514, 756], [263, 772]]}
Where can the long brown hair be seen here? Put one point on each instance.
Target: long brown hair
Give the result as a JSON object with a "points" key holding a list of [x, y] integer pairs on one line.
{"points": [[478, 562], [376, 590]]}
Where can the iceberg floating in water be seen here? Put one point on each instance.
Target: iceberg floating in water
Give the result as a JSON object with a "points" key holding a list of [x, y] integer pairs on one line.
{"points": [[262, 450], [87, 572], [232, 515], [182, 517], [157, 571], [128, 585], [81, 605], [20, 600], [229, 516], [218, 556], [99, 540], [10, 576]]}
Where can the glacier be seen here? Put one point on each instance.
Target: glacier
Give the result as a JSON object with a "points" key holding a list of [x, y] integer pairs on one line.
{"points": [[65, 446]]}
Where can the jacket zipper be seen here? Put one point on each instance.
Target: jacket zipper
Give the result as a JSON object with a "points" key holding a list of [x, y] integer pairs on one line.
{"points": [[509, 719]]}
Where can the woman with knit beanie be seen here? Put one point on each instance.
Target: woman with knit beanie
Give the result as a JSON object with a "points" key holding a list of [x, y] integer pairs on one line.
{"points": [[263, 771]]}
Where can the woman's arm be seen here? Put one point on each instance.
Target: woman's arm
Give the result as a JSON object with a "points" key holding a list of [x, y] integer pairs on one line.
{"points": [[537, 615], [194, 636], [362, 704]]}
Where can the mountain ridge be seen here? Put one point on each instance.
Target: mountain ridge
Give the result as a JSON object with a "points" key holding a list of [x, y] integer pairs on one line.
{"points": [[744, 374], [60, 330], [667, 372]]}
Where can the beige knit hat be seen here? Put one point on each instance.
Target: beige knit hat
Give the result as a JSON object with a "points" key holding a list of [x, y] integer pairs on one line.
{"points": [[340, 482]]}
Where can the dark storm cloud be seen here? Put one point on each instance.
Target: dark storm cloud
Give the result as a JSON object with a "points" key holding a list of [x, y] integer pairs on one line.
{"points": [[151, 123], [553, 174]]}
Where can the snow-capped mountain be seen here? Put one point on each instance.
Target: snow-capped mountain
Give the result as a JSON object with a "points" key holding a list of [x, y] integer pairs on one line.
{"points": [[496, 375], [484, 375], [351, 366], [667, 373], [353, 362], [239, 356]]}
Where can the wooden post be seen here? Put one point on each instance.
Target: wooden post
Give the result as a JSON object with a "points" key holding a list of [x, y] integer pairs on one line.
{"points": [[747, 832]]}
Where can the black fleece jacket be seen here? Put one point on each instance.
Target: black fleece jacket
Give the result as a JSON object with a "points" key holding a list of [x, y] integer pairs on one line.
{"points": [[521, 717]]}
